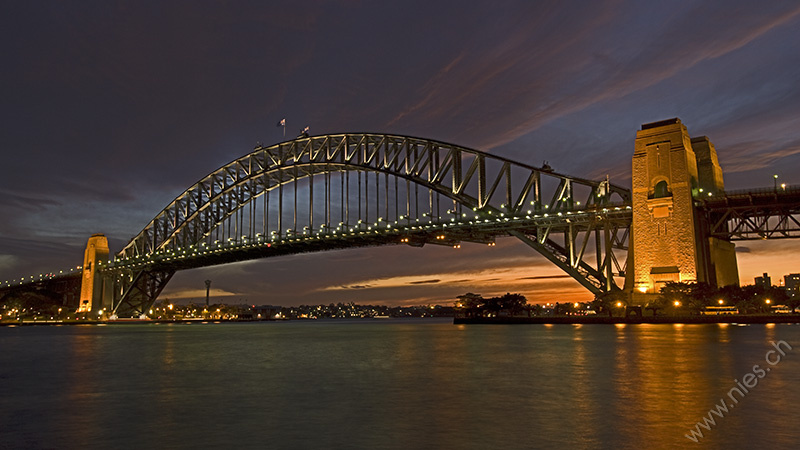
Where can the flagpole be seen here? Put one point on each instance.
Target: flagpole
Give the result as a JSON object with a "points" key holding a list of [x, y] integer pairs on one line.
{"points": [[282, 123]]}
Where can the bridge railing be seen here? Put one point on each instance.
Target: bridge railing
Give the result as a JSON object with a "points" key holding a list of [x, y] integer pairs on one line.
{"points": [[782, 189], [47, 276]]}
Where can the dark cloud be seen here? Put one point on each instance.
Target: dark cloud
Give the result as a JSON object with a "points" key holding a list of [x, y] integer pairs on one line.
{"points": [[356, 286], [426, 282]]}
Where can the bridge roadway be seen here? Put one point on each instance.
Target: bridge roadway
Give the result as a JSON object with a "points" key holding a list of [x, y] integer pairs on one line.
{"points": [[483, 229]]}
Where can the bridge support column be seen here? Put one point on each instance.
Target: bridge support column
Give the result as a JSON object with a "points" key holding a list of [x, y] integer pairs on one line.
{"points": [[140, 291], [95, 287], [669, 240]]}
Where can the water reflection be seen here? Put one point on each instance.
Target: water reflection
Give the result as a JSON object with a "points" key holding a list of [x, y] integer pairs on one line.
{"points": [[394, 384]]}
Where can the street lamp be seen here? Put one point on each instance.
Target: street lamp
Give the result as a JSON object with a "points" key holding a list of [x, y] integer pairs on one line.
{"points": [[677, 303], [720, 301], [775, 177]]}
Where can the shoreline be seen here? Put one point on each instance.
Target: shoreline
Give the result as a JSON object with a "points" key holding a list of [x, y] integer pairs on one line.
{"points": [[518, 320], [726, 318], [129, 322]]}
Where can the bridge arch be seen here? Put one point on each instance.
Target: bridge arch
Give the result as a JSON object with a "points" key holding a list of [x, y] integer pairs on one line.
{"points": [[468, 177], [245, 199]]}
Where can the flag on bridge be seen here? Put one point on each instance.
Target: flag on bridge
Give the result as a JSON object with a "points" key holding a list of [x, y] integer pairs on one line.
{"points": [[282, 123]]}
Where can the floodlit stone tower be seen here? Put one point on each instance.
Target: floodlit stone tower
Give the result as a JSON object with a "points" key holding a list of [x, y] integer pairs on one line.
{"points": [[669, 241], [92, 285]]}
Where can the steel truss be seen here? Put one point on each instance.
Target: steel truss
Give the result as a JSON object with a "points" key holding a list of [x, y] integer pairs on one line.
{"points": [[754, 214], [354, 185]]}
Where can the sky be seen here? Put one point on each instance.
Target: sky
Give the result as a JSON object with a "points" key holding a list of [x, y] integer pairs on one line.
{"points": [[111, 109]]}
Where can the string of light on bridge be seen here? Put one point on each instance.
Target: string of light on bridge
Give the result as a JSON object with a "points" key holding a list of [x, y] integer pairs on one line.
{"points": [[342, 231]]}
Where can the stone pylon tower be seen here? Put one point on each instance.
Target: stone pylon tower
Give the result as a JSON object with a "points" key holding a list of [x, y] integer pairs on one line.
{"points": [[92, 285], [671, 171]]}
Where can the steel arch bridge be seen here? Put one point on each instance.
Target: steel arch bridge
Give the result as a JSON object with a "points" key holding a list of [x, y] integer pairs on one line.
{"points": [[348, 190]]}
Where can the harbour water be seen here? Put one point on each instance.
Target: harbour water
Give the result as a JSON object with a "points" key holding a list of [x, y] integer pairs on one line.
{"points": [[397, 384]]}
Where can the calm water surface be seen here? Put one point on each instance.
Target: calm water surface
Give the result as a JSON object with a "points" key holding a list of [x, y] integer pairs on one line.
{"points": [[394, 384]]}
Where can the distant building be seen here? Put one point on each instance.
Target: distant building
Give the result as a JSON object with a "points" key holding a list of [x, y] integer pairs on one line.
{"points": [[764, 280], [265, 312], [791, 283]]}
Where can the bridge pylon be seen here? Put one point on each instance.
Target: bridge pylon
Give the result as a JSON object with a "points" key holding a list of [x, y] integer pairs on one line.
{"points": [[95, 287], [670, 241]]}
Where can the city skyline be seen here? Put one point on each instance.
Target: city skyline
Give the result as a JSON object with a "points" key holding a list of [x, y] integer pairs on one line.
{"points": [[114, 110]]}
